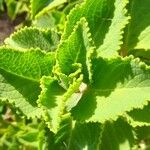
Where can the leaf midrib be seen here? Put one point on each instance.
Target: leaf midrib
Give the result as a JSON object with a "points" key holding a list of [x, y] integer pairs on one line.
{"points": [[23, 77]]}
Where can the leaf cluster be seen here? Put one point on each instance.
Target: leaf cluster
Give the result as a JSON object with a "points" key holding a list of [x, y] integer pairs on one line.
{"points": [[87, 81]]}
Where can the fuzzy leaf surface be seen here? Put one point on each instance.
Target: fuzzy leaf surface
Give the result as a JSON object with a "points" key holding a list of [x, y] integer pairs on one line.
{"points": [[29, 37], [113, 39], [98, 14], [75, 49], [118, 86], [117, 136], [51, 100], [31, 64], [21, 92]]}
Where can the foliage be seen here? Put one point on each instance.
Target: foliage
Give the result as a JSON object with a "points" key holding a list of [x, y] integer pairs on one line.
{"points": [[14, 7], [85, 84]]}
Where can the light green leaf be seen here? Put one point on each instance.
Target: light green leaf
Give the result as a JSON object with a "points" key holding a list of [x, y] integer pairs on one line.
{"points": [[139, 117], [21, 92], [11, 8], [85, 136], [144, 55], [37, 5], [53, 19], [98, 14], [138, 30], [64, 132], [20, 74], [30, 37], [144, 39], [32, 64], [119, 85], [117, 136], [52, 5], [74, 93], [114, 36], [1, 5], [15, 8], [52, 102], [76, 49]]}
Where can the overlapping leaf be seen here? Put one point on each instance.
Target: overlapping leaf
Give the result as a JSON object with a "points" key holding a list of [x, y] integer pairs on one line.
{"points": [[119, 85], [84, 84], [76, 49], [21, 92], [20, 75], [138, 30], [117, 136], [139, 117], [32, 64], [114, 36], [144, 55], [29, 37], [37, 5], [51, 100], [85, 136], [98, 14], [53, 19], [52, 5]]}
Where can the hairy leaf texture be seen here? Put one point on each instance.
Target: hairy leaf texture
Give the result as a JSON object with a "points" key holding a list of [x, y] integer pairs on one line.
{"points": [[30, 37], [51, 100], [20, 74], [21, 92], [32, 64], [98, 14], [116, 83], [76, 49]]}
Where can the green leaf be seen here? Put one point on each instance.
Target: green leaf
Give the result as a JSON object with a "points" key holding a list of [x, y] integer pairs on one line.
{"points": [[52, 5], [139, 117], [15, 8], [30, 37], [64, 132], [32, 64], [143, 38], [142, 137], [138, 30], [117, 136], [52, 102], [1, 5], [53, 19], [144, 55], [74, 93], [21, 92], [114, 36], [98, 14], [11, 8], [85, 136], [119, 85], [37, 5], [76, 49]]}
